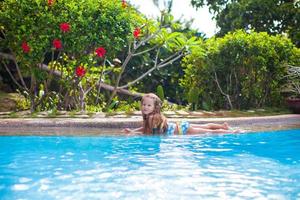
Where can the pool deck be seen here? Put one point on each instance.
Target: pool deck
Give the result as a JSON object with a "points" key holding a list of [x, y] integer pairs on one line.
{"points": [[106, 124]]}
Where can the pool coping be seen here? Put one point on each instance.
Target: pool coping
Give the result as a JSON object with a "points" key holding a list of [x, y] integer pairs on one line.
{"points": [[116, 123]]}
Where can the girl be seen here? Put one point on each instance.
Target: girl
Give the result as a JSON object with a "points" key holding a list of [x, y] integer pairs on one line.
{"points": [[156, 123]]}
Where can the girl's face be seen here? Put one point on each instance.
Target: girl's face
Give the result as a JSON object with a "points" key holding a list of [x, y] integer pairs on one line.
{"points": [[147, 106]]}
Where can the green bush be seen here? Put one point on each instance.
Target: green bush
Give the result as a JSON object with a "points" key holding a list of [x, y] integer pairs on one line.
{"points": [[247, 66]]}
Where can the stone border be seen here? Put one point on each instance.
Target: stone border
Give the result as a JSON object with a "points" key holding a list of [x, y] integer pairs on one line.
{"points": [[116, 123]]}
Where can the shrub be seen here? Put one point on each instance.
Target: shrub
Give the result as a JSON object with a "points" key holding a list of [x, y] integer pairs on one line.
{"points": [[240, 70]]}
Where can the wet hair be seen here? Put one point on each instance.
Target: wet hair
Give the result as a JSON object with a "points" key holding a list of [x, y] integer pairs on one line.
{"points": [[155, 122]]}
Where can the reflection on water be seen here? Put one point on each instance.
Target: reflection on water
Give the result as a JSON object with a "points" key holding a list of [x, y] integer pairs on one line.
{"points": [[231, 166]]}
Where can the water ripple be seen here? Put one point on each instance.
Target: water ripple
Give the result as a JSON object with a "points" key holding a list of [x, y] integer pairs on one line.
{"points": [[254, 166]]}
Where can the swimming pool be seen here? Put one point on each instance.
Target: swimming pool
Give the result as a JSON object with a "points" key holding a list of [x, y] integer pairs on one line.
{"points": [[264, 165]]}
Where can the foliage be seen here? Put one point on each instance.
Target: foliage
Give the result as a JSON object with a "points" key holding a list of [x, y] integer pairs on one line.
{"points": [[160, 92], [248, 67], [128, 108], [13, 101], [64, 35], [38, 24], [193, 97], [22, 103], [274, 16], [76, 42], [168, 77], [166, 106], [159, 46], [292, 86], [93, 108]]}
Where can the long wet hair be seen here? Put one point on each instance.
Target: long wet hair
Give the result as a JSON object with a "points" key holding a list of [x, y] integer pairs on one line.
{"points": [[155, 122]]}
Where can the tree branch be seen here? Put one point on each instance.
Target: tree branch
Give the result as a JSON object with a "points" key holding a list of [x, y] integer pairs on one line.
{"points": [[226, 95], [6, 56], [159, 66], [142, 52], [170, 61], [100, 84], [12, 58], [11, 76]]}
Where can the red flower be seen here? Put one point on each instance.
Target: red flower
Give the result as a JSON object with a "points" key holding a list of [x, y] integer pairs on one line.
{"points": [[50, 2], [80, 71], [57, 44], [65, 27], [136, 32], [100, 52], [25, 47], [124, 4]]}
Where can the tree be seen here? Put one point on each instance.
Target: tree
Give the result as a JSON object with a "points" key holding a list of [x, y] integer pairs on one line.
{"points": [[271, 16], [77, 42], [71, 37], [167, 77]]}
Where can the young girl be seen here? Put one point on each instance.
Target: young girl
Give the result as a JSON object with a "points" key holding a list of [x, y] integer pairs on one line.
{"points": [[156, 123]]}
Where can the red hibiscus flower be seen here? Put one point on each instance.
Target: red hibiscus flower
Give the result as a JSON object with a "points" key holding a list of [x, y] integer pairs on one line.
{"points": [[65, 27], [100, 52], [25, 47], [80, 71], [57, 44], [136, 32], [50, 2], [124, 4]]}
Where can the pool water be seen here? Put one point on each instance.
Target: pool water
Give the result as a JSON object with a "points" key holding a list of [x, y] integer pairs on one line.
{"points": [[262, 165]]}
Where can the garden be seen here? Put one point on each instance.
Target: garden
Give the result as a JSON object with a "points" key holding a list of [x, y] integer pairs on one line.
{"points": [[101, 55]]}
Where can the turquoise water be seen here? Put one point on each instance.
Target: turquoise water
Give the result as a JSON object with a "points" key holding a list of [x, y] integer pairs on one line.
{"points": [[262, 165]]}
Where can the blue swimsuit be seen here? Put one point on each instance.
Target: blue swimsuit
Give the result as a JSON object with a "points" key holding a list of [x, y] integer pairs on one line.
{"points": [[182, 128]]}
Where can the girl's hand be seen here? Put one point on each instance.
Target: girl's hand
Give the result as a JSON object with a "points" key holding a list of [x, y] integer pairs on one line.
{"points": [[127, 130], [133, 131]]}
